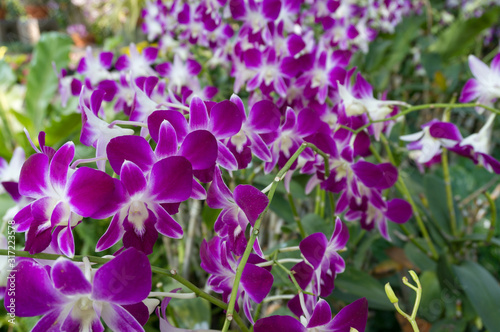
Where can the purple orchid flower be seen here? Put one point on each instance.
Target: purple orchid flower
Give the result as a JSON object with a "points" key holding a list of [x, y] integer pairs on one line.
{"points": [[485, 86], [96, 132], [322, 261], [255, 284], [141, 215], [426, 144], [9, 172], [256, 16], [61, 198], [263, 118], [95, 69], [138, 63], [477, 146], [239, 209], [70, 296], [179, 73], [318, 317]]}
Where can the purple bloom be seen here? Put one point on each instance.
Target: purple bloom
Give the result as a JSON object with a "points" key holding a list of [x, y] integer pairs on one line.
{"points": [[95, 69], [62, 197], [322, 262], [141, 215], [485, 86], [139, 64], [239, 209], [72, 296], [255, 284], [317, 316], [426, 144]]}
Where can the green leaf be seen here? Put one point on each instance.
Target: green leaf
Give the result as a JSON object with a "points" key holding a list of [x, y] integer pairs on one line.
{"points": [[42, 80], [361, 284], [192, 313], [449, 325], [460, 36], [7, 75], [431, 304], [483, 291]]}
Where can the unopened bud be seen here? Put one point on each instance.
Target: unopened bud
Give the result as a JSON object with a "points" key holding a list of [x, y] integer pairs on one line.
{"points": [[390, 293]]}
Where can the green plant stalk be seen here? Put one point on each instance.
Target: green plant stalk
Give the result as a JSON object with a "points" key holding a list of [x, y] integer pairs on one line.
{"points": [[317, 200], [296, 216], [100, 260], [401, 186], [253, 237], [491, 230], [449, 192], [394, 300], [418, 108], [405, 315], [292, 277], [447, 178]]}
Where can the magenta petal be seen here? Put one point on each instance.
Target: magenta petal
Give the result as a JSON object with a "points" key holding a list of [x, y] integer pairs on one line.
{"points": [[389, 176], [198, 192], [257, 282], [308, 122], [251, 200], [198, 114], [68, 278], [313, 248], [353, 315], [219, 195], [303, 274], [226, 158], [279, 323], [90, 190], [167, 141], [59, 165], [126, 279], [133, 148], [139, 310], [238, 9], [34, 177], [133, 178], [119, 319], [264, 117], [35, 294], [66, 242], [122, 63], [271, 9], [200, 148], [150, 54], [470, 91], [113, 234], [259, 148], [398, 210], [175, 118], [367, 172], [321, 315], [445, 130], [165, 224], [171, 180], [48, 323], [225, 119], [193, 67]]}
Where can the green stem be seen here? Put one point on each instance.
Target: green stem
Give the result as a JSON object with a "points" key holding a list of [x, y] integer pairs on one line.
{"points": [[493, 222], [296, 216], [418, 108], [253, 237], [449, 192]]}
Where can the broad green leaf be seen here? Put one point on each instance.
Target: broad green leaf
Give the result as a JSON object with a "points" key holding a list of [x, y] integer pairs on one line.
{"points": [[192, 313], [313, 224], [417, 257], [357, 283], [449, 325], [42, 80], [431, 304], [7, 75], [460, 36], [483, 291], [209, 215]]}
